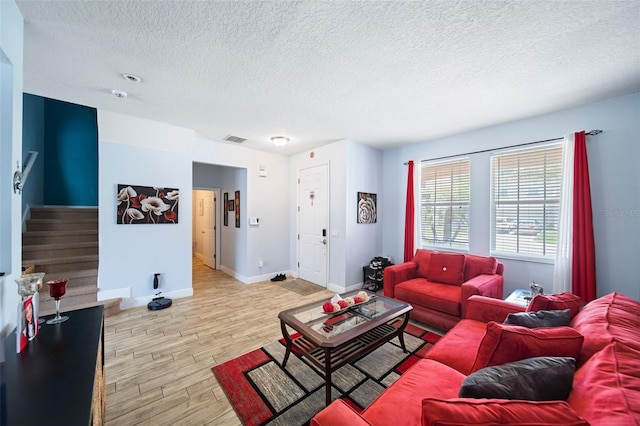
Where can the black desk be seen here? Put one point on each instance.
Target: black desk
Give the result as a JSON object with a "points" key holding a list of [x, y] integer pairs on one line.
{"points": [[52, 381]]}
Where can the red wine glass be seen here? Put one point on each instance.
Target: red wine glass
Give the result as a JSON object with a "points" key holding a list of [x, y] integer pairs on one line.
{"points": [[57, 289]]}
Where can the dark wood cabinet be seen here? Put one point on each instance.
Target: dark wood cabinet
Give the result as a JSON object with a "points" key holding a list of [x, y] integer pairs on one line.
{"points": [[59, 378]]}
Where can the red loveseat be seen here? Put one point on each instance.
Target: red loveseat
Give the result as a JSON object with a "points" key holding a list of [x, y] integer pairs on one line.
{"points": [[605, 388], [438, 284]]}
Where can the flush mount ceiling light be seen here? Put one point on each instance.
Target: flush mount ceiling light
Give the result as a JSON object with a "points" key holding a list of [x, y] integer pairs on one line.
{"points": [[279, 140], [121, 94], [132, 78]]}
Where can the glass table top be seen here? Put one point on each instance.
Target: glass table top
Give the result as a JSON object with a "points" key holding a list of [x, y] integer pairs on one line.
{"points": [[330, 325]]}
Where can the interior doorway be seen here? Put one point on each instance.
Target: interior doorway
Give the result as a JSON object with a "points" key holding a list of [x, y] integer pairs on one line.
{"points": [[205, 238], [313, 224]]}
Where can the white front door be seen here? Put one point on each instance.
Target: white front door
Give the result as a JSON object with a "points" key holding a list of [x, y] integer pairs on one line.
{"points": [[209, 230], [313, 223]]}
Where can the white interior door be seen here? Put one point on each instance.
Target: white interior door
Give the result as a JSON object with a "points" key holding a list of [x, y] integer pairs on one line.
{"points": [[209, 230], [204, 226], [313, 224]]}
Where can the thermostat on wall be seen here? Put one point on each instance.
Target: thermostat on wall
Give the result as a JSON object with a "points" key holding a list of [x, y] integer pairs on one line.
{"points": [[254, 221]]}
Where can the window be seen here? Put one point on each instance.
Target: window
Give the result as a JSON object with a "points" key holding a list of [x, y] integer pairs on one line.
{"points": [[444, 204], [525, 190]]}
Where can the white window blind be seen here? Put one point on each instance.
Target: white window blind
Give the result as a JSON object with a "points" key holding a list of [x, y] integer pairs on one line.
{"points": [[525, 188], [444, 204]]}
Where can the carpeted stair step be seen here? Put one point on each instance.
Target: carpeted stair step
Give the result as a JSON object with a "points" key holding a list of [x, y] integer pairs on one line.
{"points": [[63, 243], [49, 251], [74, 296], [60, 224], [111, 307], [59, 237], [63, 213], [78, 277], [63, 264]]}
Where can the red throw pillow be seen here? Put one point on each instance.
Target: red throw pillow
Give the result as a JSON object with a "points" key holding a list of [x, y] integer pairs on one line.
{"points": [[446, 268], [463, 411], [422, 259], [478, 265], [556, 302], [504, 343]]}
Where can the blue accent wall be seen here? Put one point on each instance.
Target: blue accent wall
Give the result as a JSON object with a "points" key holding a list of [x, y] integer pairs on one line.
{"points": [[71, 154]]}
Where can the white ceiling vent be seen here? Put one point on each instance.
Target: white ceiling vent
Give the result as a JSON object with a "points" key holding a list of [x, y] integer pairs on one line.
{"points": [[235, 139]]}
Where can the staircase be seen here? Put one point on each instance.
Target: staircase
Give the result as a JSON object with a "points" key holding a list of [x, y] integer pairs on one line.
{"points": [[63, 243]]}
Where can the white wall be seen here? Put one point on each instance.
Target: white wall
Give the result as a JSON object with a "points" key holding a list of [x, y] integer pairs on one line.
{"points": [[11, 60], [364, 241], [334, 155], [615, 188], [264, 197], [143, 152], [353, 168]]}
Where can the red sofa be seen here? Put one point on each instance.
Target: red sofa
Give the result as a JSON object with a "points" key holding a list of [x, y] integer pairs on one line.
{"points": [[605, 387], [438, 284]]}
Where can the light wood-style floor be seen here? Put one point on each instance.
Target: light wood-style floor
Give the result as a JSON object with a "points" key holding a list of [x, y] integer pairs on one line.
{"points": [[158, 363]]}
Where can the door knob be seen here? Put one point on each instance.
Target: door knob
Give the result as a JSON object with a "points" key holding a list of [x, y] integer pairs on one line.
{"points": [[324, 241]]}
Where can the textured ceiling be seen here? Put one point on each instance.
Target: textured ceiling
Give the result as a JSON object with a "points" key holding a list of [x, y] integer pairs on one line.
{"points": [[380, 73]]}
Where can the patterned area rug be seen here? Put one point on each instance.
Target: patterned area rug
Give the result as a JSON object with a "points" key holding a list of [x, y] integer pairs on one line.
{"points": [[263, 393]]}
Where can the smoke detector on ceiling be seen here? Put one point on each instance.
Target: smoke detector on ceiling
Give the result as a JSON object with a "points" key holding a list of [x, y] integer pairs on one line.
{"points": [[120, 94], [132, 78]]}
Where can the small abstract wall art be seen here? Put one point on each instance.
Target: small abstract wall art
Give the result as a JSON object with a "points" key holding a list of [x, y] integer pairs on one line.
{"points": [[146, 205], [232, 205], [367, 207], [225, 206], [237, 209]]}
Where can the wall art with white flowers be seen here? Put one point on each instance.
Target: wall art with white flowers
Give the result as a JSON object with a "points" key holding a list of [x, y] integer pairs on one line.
{"points": [[367, 207], [146, 204]]}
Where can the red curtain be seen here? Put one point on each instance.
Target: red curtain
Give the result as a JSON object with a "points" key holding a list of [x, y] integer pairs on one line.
{"points": [[584, 252], [409, 230]]}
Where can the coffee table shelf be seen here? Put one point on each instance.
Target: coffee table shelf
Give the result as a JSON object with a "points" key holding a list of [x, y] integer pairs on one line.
{"points": [[349, 350]]}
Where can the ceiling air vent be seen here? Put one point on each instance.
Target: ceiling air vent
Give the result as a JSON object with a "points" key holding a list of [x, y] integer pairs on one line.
{"points": [[235, 139]]}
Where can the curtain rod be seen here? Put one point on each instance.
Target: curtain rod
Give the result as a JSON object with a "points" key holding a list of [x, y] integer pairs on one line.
{"points": [[590, 133]]}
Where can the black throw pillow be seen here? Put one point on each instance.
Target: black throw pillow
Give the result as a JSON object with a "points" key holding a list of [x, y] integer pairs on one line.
{"points": [[532, 379], [540, 318]]}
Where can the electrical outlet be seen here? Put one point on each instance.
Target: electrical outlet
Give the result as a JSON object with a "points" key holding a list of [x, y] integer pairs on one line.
{"points": [[260, 263]]}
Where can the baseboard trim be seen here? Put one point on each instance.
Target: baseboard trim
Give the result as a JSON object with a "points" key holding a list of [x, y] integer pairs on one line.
{"points": [[255, 278], [234, 274], [267, 277], [123, 293], [341, 289], [129, 302]]}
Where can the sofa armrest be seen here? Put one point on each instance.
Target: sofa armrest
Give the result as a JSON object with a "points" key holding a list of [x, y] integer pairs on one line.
{"points": [[482, 285], [338, 413], [398, 273], [487, 309]]}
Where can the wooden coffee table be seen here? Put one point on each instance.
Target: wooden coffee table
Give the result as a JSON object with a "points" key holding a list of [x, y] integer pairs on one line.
{"points": [[330, 341]]}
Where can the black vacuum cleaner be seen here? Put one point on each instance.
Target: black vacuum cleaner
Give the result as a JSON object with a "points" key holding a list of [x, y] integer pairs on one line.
{"points": [[161, 302]]}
